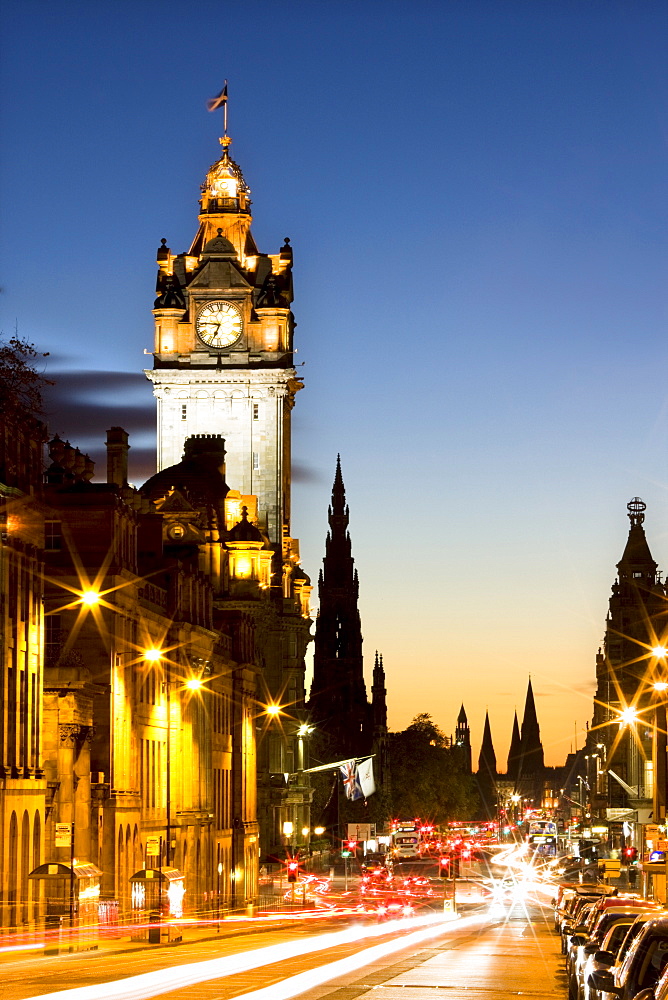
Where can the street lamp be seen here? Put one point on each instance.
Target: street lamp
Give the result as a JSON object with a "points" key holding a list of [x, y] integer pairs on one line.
{"points": [[90, 598]]}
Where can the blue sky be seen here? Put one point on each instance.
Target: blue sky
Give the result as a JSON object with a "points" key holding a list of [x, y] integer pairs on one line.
{"points": [[476, 196]]}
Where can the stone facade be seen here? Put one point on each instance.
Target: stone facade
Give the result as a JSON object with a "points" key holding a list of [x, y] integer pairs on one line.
{"points": [[22, 781]]}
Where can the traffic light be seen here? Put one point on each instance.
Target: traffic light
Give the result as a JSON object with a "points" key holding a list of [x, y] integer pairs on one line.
{"points": [[630, 853], [293, 868], [443, 866]]}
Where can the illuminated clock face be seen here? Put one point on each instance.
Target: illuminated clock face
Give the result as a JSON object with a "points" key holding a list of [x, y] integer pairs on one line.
{"points": [[219, 324]]}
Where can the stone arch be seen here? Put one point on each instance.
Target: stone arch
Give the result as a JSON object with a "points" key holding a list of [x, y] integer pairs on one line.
{"points": [[137, 853], [128, 861], [36, 860], [198, 881], [25, 867], [120, 865], [13, 859]]}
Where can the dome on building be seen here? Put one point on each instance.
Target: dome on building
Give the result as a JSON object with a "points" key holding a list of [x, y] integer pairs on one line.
{"points": [[244, 531], [219, 246], [200, 474]]}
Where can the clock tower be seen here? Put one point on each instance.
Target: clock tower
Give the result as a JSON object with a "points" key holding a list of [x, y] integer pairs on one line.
{"points": [[223, 354]]}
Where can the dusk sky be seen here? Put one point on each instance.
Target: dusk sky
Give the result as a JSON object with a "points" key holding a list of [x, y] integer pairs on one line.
{"points": [[476, 196]]}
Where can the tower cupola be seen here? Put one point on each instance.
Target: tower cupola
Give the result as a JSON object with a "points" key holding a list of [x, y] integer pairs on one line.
{"points": [[225, 189]]}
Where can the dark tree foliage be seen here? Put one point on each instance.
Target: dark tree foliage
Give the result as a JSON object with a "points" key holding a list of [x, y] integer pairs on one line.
{"points": [[428, 777], [21, 384]]}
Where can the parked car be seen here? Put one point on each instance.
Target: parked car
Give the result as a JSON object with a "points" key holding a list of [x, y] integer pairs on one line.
{"points": [[582, 946], [630, 937], [605, 956], [642, 967]]}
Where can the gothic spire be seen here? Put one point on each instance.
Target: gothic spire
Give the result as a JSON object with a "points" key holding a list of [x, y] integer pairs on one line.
{"points": [[338, 693], [487, 758], [515, 750], [531, 753], [378, 695]]}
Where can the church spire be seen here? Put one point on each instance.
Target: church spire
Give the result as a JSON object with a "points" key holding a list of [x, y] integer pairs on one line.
{"points": [[487, 758], [463, 740], [531, 753], [515, 750], [486, 776]]}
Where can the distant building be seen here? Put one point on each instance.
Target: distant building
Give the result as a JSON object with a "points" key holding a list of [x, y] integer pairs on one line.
{"points": [[347, 723], [462, 741], [621, 739]]}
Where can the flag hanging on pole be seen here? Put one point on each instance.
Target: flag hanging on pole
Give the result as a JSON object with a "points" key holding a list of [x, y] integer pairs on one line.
{"points": [[365, 777], [219, 100], [350, 781]]}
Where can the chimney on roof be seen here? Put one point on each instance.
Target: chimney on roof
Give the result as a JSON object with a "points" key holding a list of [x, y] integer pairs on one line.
{"points": [[117, 456]]}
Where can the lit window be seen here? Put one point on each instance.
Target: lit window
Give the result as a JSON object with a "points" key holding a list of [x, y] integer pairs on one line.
{"points": [[53, 538]]}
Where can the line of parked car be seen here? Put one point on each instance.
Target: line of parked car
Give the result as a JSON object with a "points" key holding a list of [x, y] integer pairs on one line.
{"points": [[615, 943]]}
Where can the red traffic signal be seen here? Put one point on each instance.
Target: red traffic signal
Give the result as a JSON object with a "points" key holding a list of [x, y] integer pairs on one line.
{"points": [[630, 853], [351, 845], [293, 868], [443, 865]]}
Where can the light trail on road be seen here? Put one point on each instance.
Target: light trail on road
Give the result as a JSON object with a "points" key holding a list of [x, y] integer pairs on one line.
{"points": [[291, 987], [152, 984]]}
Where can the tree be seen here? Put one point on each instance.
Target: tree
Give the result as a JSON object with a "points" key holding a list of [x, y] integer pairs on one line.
{"points": [[22, 384], [428, 779]]}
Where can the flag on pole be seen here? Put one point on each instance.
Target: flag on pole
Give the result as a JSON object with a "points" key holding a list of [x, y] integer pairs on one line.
{"points": [[219, 100], [350, 781], [365, 777]]}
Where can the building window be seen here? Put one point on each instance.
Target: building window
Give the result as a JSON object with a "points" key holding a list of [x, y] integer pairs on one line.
{"points": [[53, 538], [256, 411], [184, 411], [256, 461]]}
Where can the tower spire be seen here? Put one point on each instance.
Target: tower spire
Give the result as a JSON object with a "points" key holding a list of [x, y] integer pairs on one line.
{"points": [[515, 750], [487, 758], [338, 693]]}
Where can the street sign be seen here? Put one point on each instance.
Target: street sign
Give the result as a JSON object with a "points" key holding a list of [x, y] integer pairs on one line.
{"points": [[153, 847], [63, 834], [359, 831]]}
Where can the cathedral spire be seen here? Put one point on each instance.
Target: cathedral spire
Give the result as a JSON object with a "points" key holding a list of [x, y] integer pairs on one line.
{"points": [[487, 758], [486, 776], [515, 750], [531, 754]]}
